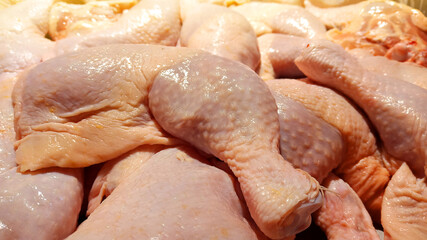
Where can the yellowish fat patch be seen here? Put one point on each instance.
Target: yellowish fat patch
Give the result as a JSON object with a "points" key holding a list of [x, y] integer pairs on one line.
{"points": [[224, 232], [183, 157]]}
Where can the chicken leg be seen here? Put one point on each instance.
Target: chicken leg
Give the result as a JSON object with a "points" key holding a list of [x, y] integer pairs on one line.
{"points": [[229, 112], [89, 106], [396, 108], [362, 166], [269, 17]]}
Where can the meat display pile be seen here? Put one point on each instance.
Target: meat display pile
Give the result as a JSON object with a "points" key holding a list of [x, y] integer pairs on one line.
{"points": [[198, 119]]}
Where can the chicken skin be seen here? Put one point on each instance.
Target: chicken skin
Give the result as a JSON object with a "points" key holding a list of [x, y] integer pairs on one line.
{"points": [[174, 195], [76, 116], [395, 107]]}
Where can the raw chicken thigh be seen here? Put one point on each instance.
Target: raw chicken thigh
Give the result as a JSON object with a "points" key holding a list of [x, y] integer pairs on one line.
{"points": [[174, 195], [22, 30], [90, 106]]}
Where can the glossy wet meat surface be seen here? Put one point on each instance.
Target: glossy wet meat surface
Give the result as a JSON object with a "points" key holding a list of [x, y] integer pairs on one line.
{"points": [[257, 120]]}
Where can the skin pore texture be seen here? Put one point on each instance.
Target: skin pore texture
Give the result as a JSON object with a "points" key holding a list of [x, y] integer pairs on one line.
{"points": [[122, 111]]}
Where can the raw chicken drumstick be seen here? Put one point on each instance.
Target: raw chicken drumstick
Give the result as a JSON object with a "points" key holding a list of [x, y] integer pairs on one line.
{"points": [[92, 106], [229, 112], [396, 108], [307, 141], [173, 195], [311, 144], [220, 31], [361, 167], [279, 51], [43, 204]]}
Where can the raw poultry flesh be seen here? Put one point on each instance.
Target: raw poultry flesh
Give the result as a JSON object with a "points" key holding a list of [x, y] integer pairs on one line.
{"points": [[405, 206], [361, 164], [395, 107], [403, 71], [38, 205], [384, 28], [199, 138], [280, 18], [306, 141], [97, 107], [150, 21], [313, 145], [102, 123], [235, 119], [278, 54], [220, 31], [78, 19], [174, 195], [115, 171], [343, 215]]}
